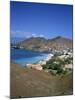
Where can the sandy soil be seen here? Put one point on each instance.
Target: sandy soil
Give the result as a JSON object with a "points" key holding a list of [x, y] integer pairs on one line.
{"points": [[27, 82]]}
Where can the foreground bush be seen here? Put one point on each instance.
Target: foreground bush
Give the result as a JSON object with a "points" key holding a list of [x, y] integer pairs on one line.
{"points": [[55, 64]]}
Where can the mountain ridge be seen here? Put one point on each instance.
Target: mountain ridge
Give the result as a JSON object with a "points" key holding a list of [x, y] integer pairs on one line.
{"points": [[43, 44]]}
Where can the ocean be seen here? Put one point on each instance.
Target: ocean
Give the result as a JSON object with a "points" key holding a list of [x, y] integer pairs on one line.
{"points": [[23, 57]]}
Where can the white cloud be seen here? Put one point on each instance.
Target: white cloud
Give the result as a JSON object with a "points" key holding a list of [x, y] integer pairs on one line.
{"points": [[34, 35], [19, 33], [41, 35]]}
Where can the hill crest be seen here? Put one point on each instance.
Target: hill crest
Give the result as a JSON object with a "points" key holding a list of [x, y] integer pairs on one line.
{"points": [[42, 44]]}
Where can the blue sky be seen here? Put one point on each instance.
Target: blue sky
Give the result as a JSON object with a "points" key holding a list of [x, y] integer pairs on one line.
{"points": [[44, 20]]}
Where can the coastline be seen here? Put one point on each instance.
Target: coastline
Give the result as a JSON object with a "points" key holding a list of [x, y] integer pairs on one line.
{"points": [[38, 56]]}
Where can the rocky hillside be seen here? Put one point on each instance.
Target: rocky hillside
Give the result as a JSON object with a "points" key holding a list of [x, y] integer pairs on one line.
{"points": [[42, 44], [60, 43]]}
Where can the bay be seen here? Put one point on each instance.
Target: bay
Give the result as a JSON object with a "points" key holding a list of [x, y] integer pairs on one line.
{"points": [[23, 57]]}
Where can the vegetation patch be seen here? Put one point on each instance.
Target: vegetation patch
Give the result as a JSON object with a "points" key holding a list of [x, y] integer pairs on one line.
{"points": [[56, 65]]}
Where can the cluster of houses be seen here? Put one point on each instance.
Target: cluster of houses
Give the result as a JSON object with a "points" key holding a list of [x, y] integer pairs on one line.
{"points": [[64, 54]]}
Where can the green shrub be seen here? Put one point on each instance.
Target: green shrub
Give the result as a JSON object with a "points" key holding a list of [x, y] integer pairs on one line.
{"points": [[59, 71], [67, 60], [55, 64]]}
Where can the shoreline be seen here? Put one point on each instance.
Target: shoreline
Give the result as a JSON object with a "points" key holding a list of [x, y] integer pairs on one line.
{"points": [[21, 48], [36, 59]]}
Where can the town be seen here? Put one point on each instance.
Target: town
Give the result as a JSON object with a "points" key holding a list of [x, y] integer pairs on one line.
{"points": [[62, 62]]}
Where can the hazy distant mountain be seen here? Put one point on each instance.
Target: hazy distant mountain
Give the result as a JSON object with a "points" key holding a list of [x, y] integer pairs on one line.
{"points": [[15, 40], [42, 44]]}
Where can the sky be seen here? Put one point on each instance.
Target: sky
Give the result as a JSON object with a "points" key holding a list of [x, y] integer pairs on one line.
{"points": [[40, 20]]}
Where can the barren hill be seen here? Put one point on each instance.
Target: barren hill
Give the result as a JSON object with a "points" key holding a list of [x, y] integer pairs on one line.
{"points": [[42, 44], [32, 83]]}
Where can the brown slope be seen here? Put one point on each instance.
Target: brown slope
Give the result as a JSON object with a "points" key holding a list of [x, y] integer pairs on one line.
{"points": [[32, 83], [60, 43], [42, 44]]}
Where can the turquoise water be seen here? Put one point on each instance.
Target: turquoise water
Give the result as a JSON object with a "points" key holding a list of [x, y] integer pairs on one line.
{"points": [[23, 57]]}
